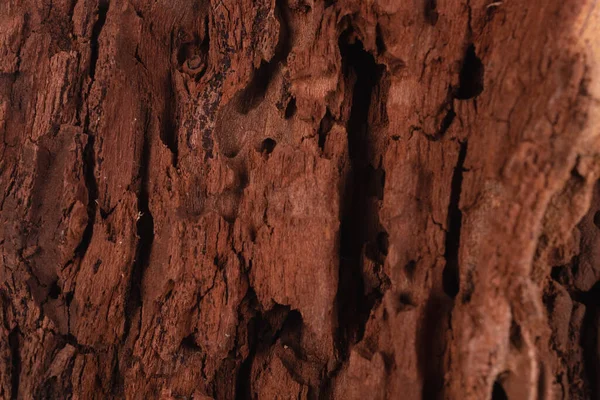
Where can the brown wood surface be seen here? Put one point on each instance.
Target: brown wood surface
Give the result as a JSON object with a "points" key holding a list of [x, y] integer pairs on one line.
{"points": [[298, 199]]}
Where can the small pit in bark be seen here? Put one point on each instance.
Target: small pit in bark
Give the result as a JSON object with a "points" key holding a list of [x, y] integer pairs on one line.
{"points": [[267, 146]]}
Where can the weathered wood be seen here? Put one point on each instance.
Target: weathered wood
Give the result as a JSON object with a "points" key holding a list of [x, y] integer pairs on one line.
{"points": [[294, 199]]}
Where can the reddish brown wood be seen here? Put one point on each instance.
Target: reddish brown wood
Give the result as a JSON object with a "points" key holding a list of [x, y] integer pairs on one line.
{"points": [[299, 199]]}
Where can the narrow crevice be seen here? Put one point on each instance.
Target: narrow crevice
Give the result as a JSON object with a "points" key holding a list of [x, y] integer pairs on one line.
{"points": [[26, 29], [243, 386], [446, 122], [182, 42], [383, 242], [375, 182], [89, 161], [376, 249], [469, 20], [256, 324], [68, 301], [471, 76], [145, 234], [597, 219], [54, 291], [104, 214], [516, 338], [290, 109], [498, 392], [89, 166], [432, 336], [138, 58], [379, 43], [431, 14], [542, 383], [117, 384], [199, 64], [205, 45], [168, 132], [468, 287], [450, 276], [590, 336], [15, 356], [96, 30], [353, 304], [255, 92], [324, 128], [264, 329]]}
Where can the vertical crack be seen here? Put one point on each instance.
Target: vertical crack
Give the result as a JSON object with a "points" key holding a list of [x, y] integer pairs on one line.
{"points": [[169, 121], [264, 329], [116, 380], [89, 166], [324, 128], [243, 389], [450, 277], [353, 304], [145, 233], [89, 161], [15, 356], [430, 11], [590, 339], [94, 44], [471, 76]]}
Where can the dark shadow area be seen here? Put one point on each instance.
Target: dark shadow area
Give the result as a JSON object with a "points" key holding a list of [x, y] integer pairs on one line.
{"points": [[354, 306], [471, 76]]}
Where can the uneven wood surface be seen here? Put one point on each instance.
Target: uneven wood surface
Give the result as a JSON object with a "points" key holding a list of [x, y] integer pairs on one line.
{"points": [[299, 199]]}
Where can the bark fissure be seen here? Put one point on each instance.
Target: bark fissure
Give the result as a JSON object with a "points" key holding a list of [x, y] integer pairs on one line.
{"points": [[15, 356], [89, 166], [324, 127], [362, 74], [243, 382], [89, 161], [471, 76], [94, 40], [431, 14], [145, 234], [451, 269], [590, 335], [591, 340], [361, 247], [170, 123]]}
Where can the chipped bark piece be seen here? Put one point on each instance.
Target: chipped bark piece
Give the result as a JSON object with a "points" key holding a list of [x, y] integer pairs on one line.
{"points": [[299, 199]]}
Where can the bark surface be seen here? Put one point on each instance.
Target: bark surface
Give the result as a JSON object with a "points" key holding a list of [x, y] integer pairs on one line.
{"points": [[299, 199]]}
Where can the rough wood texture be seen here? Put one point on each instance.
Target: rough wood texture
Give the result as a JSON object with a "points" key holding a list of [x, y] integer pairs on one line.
{"points": [[300, 199]]}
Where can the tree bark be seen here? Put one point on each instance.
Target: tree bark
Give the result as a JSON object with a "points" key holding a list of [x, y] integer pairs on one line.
{"points": [[299, 199]]}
